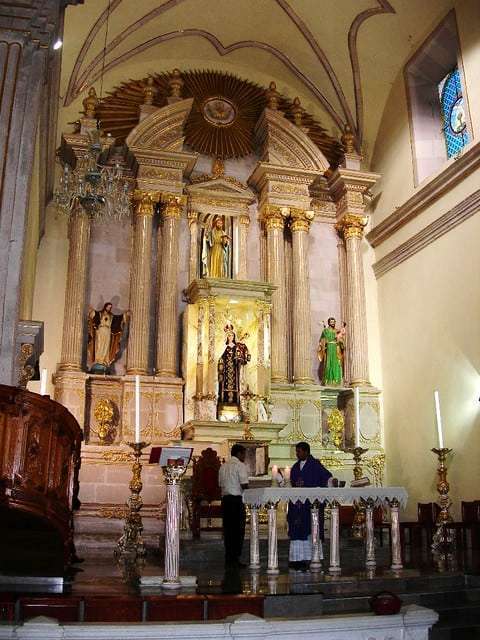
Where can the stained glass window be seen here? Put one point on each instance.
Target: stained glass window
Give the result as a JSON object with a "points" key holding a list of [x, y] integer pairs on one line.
{"points": [[453, 113]]}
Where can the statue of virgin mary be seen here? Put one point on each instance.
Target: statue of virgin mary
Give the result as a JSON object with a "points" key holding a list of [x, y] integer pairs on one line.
{"points": [[216, 249]]}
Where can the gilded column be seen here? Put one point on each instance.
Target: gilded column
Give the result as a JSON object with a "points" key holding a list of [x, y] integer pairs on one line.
{"points": [[193, 224], [75, 312], [301, 319], [140, 282], [351, 226], [274, 224], [167, 323], [244, 222]]}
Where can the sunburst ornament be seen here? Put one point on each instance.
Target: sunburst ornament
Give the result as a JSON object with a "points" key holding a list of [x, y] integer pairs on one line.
{"points": [[224, 113]]}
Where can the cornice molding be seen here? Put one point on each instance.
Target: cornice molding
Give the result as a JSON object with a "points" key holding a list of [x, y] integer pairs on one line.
{"points": [[427, 195], [458, 214]]}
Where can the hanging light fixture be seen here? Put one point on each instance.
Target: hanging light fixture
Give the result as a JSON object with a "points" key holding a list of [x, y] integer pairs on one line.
{"points": [[100, 188]]}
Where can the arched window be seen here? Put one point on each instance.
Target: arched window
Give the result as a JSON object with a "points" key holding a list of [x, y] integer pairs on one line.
{"points": [[453, 113]]}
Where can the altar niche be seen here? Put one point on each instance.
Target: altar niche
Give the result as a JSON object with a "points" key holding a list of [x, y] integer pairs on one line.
{"points": [[226, 351], [216, 248]]}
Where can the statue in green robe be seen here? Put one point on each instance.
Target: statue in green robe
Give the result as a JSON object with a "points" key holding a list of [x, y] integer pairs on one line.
{"points": [[330, 353]]}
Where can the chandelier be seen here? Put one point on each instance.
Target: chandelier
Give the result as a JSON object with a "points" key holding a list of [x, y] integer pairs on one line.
{"points": [[99, 188], [102, 190]]}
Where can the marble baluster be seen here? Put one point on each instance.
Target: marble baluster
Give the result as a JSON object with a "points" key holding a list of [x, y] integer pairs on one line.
{"points": [[274, 224], [301, 317], [167, 333], [396, 543], [140, 283], [254, 541], [244, 222], [75, 310], [272, 567], [334, 567], [370, 561], [316, 561]]}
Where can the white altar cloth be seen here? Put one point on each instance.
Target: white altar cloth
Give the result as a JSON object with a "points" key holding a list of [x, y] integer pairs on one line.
{"points": [[344, 495]]}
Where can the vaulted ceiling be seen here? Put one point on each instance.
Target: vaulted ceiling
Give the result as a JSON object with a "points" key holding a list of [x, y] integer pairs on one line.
{"points": [[340, 57]]}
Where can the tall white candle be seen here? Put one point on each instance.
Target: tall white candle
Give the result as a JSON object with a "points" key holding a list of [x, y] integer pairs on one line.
{"points": [[274, 471], [356, 397], [137, 408], [43, 382], [439, 419]]}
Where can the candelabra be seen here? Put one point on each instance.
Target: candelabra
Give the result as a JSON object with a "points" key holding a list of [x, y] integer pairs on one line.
{"points": [[131, 543], [444, 537]]}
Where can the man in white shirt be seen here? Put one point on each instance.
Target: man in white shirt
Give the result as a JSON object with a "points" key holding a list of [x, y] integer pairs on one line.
{"points": [[233, 479]]}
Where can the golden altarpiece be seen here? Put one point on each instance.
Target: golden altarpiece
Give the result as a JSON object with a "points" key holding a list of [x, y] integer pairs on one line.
{"points": [[247, 226]]}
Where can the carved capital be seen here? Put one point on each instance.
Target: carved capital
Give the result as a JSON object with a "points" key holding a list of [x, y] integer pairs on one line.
{"points": [[300, 219], [145, 202], [274, 216], [244, 220], [352, 226], [173, 205]]}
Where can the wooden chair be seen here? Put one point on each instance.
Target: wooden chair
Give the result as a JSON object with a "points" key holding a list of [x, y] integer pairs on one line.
{"points": [[471, 521], [427, 513], [205, 491]]}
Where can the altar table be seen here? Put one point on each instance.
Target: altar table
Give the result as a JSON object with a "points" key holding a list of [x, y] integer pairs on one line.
{"points": [[365, 497]]}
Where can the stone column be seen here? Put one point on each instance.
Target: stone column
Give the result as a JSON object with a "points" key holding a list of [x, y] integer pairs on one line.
{"points": [[140, 282], [244, 222], [193, 263], [167, 322], [342, 274], [351, 226], [75, 311], [27, 31], [301, 319], [274, 223], [171, 579]]}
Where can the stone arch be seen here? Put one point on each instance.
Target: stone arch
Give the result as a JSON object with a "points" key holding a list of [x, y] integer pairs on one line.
{"points": [[282, 143], [161, 129]]}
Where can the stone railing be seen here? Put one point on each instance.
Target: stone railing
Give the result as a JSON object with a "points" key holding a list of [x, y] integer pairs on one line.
{"points": [[412, 623], [365, 497]]}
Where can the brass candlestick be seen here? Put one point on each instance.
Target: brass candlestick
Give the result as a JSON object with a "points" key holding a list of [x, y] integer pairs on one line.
{"points": [[444, 537], [359, 517], [131, 543]]}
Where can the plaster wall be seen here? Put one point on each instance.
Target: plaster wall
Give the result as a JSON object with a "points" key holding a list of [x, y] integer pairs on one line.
{"points": [[427, 305]]}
